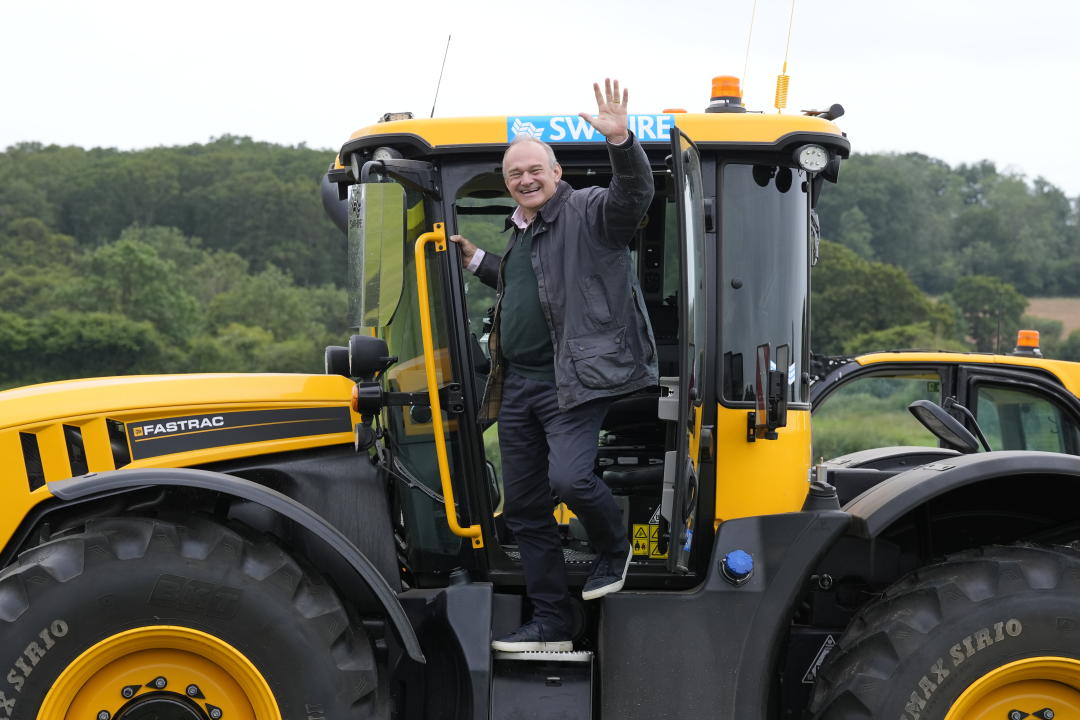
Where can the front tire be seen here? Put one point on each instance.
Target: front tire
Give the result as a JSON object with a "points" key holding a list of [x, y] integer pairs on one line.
{"points": [[137, 617], [987, 634]]}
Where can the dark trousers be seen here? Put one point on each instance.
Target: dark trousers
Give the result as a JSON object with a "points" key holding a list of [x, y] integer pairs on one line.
{"points": [[546, 450]]}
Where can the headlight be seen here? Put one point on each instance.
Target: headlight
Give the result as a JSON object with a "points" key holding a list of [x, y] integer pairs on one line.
{"points": [[812, 158], [382, 154]]}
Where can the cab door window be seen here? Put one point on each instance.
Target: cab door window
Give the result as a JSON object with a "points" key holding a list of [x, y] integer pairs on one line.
{"points": [[481, 210], [871, 411], [426, 542], [483, 221], [1017, 419]]}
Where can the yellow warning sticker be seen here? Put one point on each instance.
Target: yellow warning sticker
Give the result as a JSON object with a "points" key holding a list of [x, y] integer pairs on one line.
{"points": [[641, 540], [654, 542]]}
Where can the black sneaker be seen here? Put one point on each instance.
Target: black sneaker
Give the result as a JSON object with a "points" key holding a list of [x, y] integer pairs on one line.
{"points": [[608, 574], [534, 637]]}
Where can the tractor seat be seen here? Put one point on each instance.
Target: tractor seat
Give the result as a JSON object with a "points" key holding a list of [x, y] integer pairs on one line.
{"points": [[633, 418], [634, 480]]}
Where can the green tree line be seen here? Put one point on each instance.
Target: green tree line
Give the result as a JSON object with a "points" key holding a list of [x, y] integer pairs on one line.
{"points": [[860, 305], [934, 257], [258, 200], [941, 224], [212, 257], [218, 257]]}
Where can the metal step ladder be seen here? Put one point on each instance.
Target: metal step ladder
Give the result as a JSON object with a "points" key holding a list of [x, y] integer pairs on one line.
{"points": [[542, 685]]}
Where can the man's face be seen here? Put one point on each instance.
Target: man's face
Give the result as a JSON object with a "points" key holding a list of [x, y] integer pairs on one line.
{"points": [[529, 176]]}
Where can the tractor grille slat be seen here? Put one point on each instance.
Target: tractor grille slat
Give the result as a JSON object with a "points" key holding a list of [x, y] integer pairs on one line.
{"points": [[35, 473]]}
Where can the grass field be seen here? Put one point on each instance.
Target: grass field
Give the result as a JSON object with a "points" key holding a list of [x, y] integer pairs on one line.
{"points": [[1065, 309]]}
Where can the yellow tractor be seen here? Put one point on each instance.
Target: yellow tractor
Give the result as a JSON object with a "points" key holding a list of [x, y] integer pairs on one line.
{"points": [[330, 547], [1019, 401]]}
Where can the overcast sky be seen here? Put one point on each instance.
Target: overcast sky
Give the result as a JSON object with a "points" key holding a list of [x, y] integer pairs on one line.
{"points": [[960, 80]]}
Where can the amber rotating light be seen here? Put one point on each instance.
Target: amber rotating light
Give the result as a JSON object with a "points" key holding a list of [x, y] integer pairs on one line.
{"points": [[726, 95]]}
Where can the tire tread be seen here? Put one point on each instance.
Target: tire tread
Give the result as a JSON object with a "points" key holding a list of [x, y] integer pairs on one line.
{"points": [[857, 674], [111, 540]]}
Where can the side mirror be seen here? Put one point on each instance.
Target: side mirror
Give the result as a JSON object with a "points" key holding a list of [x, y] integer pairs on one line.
{"points": [[944, 426], [771, 391], [336, 208], [336, 360], [951, 404], [368, 357]]}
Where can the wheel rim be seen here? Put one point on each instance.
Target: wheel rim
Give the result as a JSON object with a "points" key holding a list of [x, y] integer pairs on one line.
{"points": [[204, 677], [1028, 687]]}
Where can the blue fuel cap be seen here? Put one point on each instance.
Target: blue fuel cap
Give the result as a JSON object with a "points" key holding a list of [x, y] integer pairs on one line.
{"points": [[737, 566]]}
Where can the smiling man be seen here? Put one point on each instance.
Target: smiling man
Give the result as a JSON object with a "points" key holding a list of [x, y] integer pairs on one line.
{"points": [[570, 335]]}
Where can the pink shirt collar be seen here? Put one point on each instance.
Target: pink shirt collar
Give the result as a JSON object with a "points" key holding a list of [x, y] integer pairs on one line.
{"points": [[518, 218]]}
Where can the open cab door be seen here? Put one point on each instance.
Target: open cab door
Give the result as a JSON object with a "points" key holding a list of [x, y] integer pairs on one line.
{"points": [[683, 404], [399, 288]]}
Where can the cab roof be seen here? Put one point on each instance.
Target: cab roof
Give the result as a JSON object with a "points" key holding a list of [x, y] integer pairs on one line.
{"points": [[1067, 372], [435, 134]]}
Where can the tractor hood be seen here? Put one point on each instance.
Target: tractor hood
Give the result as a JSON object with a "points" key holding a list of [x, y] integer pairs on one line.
{"points": [[75, 399]]}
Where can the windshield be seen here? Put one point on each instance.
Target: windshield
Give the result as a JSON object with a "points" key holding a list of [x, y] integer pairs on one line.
{"points": [[764, 275]]}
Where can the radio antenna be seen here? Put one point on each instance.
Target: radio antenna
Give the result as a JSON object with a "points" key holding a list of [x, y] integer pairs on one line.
{"points": [[439, 84], [783, 78], [749, 36]]}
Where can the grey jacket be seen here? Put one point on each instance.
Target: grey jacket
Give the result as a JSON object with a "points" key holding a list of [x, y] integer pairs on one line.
{"points": [[588, 287]]}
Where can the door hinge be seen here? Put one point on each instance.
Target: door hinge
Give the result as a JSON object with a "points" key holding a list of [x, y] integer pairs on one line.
{"points": [[705, 443], [451, 399]]}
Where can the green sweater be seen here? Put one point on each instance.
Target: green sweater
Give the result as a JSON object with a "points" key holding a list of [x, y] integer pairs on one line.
{"points": [[524, 336]]}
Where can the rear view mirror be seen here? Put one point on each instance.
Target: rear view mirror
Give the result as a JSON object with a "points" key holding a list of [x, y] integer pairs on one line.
{"points": [[376, 252], [368, 357], [944, 426], [771, 391]]}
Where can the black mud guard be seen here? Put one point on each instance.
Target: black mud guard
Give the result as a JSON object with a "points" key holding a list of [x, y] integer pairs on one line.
{"points": [[713, 651], [882, 505], [113, 481]]}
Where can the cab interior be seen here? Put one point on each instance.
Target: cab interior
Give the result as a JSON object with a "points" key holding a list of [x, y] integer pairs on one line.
{"points": [[633, 440]]}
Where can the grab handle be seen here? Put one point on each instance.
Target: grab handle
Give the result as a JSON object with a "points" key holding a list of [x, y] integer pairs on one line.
{"points": [[438, 236]]}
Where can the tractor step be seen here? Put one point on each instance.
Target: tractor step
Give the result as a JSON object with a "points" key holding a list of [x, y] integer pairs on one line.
{"points": [[542, 685], [570, 656]]}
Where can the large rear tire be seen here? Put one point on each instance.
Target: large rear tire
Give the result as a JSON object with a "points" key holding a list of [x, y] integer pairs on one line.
{"points": [[142, 618], [987, 634]]}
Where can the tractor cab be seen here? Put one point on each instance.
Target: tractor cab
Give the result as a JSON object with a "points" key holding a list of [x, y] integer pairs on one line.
{"points": [[722, 259]]}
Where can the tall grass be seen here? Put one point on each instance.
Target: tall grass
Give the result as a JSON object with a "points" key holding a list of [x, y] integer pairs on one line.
{"points": [[871, 413]]}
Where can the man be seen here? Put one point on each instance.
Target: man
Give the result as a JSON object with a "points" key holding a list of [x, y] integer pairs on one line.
{"points": [[570, 334]]}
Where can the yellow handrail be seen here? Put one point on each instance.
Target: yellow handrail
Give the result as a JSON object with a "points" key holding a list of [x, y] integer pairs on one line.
{"points": [[438, 236]]}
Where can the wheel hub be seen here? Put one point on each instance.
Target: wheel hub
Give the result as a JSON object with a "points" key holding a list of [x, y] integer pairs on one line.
{"points": [[160, 672], [1039, 688], [161, 706]]}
